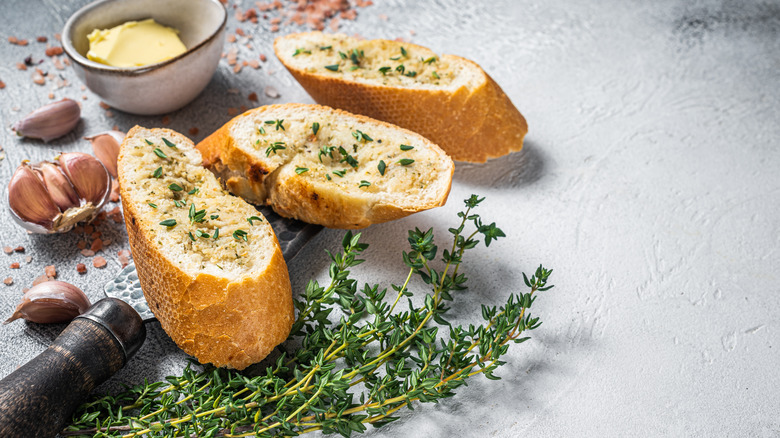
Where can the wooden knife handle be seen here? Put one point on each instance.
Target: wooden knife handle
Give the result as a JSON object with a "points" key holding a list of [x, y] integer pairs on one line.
{"points": [[39, 397]]}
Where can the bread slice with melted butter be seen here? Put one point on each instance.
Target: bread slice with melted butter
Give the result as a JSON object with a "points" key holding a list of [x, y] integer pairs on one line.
{"points": [[326, 166], [448, 99], [209, 264]]}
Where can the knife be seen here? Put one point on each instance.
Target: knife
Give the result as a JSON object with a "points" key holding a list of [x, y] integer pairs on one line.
{"points": [[38, 398]]}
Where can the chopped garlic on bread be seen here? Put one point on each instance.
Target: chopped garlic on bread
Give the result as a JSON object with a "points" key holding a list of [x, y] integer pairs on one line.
{"points": [[209, 264], [448, 99], [326, 166]]}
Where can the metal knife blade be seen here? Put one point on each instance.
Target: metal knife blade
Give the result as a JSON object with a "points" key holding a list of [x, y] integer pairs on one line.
{"points": [[292, 236]]}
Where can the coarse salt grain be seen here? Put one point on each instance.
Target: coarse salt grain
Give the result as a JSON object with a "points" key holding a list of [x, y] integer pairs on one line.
{"points": [[8, 281], [15, 265], [51, 271], [99, 262], [81, 268], [8, 249]]}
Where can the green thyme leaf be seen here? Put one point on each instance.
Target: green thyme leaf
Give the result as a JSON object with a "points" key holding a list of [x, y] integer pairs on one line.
{"points": [[168, 223], [148, 142], [340, 172], [152, 205], [435, 75], [253, 218], [160, 153], [315, 127], [214, 216], [405, 161], [240, 235], [403, 52], [406, 147], [175, 187], [364, 183], [385, 70], [216, 233], [193, 191], [275, 146], [157, 172], [326, 47], [168, 143], [334, 67], [189, 233], [301, 50], [300, 170], [381, 167], [203, 234]]}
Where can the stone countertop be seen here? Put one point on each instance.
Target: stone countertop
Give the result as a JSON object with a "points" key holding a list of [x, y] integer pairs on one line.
{"points": [[649, 182]]}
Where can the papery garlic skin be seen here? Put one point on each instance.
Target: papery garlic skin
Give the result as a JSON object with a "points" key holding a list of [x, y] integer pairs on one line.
{"points": [[105, 146], [51, 302], [50, 121], [52, 197]]}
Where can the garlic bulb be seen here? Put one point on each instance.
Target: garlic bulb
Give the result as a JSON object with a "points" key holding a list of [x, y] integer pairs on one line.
{"points": [[105, 146], [50, 302], [50, 121], [52, 197]]}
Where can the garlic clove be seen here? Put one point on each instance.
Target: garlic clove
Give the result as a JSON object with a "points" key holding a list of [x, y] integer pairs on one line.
{"points": [[51, 302], [106, 148], [29, 200], [61, 191], [88, 176], [50, 121]]}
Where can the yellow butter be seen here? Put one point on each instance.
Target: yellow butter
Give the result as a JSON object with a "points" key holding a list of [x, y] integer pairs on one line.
{"points": [[134, 44]]}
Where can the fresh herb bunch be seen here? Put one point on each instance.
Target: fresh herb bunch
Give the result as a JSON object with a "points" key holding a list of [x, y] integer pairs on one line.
{"points": [[359, 360]]}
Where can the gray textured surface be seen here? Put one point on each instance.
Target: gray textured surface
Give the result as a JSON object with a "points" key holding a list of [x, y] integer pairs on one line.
{"points": [[649, 182]]}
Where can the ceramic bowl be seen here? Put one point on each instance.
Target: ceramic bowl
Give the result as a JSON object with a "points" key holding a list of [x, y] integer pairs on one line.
{"points": [[157, 88]]}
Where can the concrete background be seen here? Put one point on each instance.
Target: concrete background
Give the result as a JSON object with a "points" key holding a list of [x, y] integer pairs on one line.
{"points": [[649, 182]]}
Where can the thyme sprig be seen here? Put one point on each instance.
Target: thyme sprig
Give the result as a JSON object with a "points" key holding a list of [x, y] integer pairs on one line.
{"points": [[353, 359]]}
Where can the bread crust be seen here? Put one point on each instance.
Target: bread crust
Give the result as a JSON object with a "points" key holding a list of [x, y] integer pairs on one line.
{"points": [[246, 176], [227, 323], [472, 123]]}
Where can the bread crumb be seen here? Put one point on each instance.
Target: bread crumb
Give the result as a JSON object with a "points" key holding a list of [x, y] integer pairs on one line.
{"points": [[99, 262], [194, 130]]}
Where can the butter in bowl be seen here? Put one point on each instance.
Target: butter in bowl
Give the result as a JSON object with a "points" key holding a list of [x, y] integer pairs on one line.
{"points": [[146, 57]]}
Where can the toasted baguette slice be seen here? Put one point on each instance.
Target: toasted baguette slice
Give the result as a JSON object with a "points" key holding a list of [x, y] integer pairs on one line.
{"points": [[448, 99], [326, 166], [218, 284]]}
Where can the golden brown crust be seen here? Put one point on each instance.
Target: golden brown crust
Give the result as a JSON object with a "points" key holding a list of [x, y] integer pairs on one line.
{"points": [[232, 324], [470, 124], [246, 176]]}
